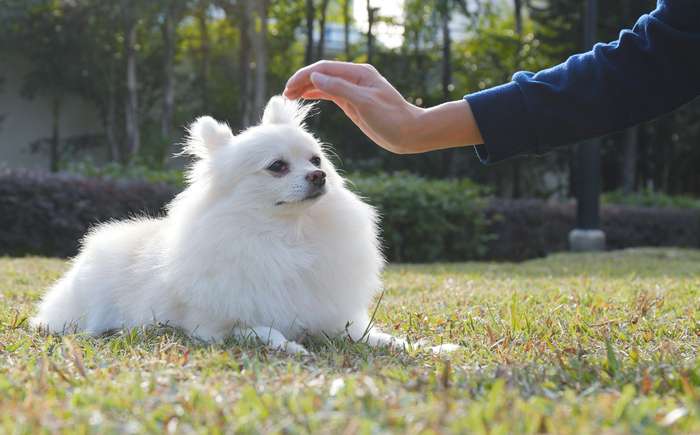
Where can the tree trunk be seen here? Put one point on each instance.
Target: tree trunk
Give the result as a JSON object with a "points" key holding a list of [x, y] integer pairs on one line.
{"points": [[259, 39], [166, 121], [54, 145], [110, 122], [518, 6], [310, 17], [346, 28], [629, 153], [371, 15], [517, 182], [205, 53], [418, 54], [573, 170], [131, 109], [667, 162], [322, 31], [451, 163], [446, 51], [244, 62], [629, 160]]}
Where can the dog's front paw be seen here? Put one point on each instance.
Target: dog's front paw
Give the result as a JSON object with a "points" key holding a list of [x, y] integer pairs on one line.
{"points": [[293, 348], [444, 348]]}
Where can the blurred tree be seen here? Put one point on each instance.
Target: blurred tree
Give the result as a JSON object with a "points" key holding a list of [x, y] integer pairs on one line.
{"points": [[101, 57], [173, 12], [518, 15], [152, 66], [310, 18], [629, 154], [320, 50], [201, 13], [2, 115], [44, 32], [240, 13], [258, 37], [133, 133], [347, 21], [445, 12], [518, 12], [372, 12]]}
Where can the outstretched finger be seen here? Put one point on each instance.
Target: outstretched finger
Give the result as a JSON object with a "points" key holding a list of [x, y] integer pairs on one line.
{"points": [[315, 94], [298, 92], [344, 105], [301, 80], [338, 87]]}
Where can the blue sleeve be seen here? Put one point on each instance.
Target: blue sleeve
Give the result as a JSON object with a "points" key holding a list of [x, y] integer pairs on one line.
{"points": [[649, 71]]}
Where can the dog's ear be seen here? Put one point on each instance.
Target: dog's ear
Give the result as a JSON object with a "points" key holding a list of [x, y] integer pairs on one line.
{"points": [[280, 110], [205, 135]]}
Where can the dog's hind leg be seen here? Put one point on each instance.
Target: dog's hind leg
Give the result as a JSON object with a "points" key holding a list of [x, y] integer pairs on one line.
{"points": [[272, 338]]}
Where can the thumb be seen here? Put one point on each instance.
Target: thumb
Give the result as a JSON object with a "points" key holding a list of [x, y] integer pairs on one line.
{"points": [[335, 86]]}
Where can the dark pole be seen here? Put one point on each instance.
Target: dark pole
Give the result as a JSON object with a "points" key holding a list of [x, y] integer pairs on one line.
{"points": [[587, 236]]}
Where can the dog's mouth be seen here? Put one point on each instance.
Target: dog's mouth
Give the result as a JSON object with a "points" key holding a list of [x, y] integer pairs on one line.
{"points": [[310, 197]]}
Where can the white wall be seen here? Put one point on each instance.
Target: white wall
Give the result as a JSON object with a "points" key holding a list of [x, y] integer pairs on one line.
{"points": [[27, 120]]}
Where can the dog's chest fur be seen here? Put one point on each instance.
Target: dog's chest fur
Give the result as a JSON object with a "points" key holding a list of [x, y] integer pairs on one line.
{"points": [[313, 275]]}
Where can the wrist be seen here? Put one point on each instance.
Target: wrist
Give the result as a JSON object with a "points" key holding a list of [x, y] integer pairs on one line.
{"points": [[413, 131], [447, 125]]}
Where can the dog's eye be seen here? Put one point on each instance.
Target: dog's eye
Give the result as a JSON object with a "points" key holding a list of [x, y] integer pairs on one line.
{"points": [[278, 166], [316, 161]]}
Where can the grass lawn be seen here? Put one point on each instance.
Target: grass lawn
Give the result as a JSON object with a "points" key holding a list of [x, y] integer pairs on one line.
{"points": [[569, 344]]}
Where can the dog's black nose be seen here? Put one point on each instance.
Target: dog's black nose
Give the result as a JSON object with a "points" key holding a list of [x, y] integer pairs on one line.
{"points": [[317, 178]]}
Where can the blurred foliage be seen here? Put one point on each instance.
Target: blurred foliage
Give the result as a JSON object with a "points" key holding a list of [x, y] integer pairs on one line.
{"points": [[422, 220], [426, 220], [133, 172], [78, 47]]}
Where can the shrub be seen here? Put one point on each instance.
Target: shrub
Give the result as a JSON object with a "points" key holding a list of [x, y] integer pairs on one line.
{"points": [[47, 214], [132, 172], [422, 220], [649, 198], [427, 220], [530, 228], [627, 226], [527, 228]]}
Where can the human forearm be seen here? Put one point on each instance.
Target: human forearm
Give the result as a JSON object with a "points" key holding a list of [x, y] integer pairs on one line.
{"points": [[448, 125]]}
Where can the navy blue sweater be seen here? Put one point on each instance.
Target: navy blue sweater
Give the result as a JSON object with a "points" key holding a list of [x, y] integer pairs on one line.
{"points": [[649, 71]]}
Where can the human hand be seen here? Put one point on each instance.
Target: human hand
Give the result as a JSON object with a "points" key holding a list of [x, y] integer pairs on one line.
{"points": [[380, 111]]}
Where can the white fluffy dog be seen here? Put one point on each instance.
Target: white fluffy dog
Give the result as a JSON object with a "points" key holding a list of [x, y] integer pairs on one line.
{"points": [[265, 241]]}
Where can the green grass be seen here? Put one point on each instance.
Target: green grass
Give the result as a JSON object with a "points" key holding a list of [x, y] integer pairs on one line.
{"points": [[569, 344]]}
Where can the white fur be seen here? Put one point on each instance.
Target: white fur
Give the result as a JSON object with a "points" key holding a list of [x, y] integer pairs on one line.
{"points": [[238, 253]]}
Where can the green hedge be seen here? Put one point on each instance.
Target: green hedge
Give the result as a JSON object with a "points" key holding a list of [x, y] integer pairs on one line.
{"points": [[649, 198], [132, 172], [427, 220], [422, 220], [433, 220]]}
